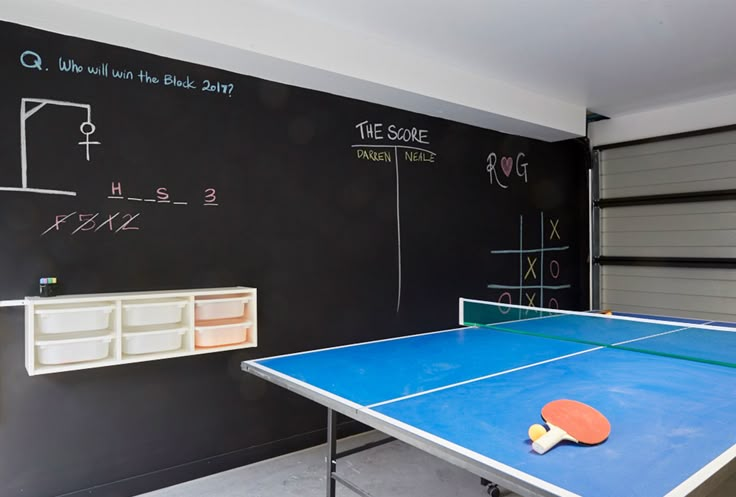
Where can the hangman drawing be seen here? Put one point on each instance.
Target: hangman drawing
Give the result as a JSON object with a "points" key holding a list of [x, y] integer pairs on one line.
{"points": [[28, 107]]}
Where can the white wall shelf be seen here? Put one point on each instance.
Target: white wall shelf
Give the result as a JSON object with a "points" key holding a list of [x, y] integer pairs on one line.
{"points": [[71, 332]]}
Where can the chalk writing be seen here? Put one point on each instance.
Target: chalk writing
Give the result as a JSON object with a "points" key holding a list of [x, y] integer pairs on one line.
{"points": [[80, 222], [162, 196], [383, 153], [374, 131], [31, 60], [174, 80], [144, 77], [374, 155], [419, 155], [72, 66], [217, 87], [378, 152], [210, 197], [506, 164]]}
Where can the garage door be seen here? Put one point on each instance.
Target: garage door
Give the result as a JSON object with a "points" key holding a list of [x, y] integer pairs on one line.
{"points": [[665, 212]]}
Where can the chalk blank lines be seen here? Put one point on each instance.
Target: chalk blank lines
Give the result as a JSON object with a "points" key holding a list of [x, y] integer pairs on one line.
{"points": [[153, 200]]}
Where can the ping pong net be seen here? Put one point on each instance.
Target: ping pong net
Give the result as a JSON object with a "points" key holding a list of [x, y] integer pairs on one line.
{"points": [[695, 341]]}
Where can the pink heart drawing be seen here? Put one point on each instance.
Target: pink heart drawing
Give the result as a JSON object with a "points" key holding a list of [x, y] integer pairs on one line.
{"points": [[507, 163]]}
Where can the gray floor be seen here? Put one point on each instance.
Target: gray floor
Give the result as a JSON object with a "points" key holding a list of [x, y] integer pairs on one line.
{"points": [[391, 470]]}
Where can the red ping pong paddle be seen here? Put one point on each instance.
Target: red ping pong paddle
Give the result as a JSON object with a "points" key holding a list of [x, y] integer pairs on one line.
{"points": [[574, 421]]}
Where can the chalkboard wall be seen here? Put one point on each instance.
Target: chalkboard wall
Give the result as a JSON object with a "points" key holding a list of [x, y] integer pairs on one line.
{"points": [[128, 171]]}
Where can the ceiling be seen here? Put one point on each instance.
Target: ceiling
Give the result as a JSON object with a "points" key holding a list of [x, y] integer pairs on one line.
{"points": [[541, 63], [613, 57]]}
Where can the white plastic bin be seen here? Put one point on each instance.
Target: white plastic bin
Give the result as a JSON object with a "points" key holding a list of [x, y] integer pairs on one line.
{"points": [[51, 352], [149, 342], [70, 319], [153, 312], [209, 308], [218, 335]]}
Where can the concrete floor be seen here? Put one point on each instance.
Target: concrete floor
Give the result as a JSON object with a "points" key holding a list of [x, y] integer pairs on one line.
{"points": [[391, 470]]}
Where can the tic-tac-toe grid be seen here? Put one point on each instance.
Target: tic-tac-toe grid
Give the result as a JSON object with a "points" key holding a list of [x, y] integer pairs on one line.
{"points": [[539, 267]]}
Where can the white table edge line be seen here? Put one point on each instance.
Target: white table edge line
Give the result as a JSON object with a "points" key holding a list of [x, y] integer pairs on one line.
{"points": [[360, 343], [703, 474], [306, 386]]}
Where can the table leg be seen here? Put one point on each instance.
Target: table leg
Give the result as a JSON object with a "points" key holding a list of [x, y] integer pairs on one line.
{"points": [[331, 457]]}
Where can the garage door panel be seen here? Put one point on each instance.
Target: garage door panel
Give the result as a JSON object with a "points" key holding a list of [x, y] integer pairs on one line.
{"points": [[675, 286], [700, 158], [678, 305], [667, 188], [694, 222], [710, 207], [667, 311], [664, 251], [695, 239], [676, 144], [683, 273], [674, 176]]}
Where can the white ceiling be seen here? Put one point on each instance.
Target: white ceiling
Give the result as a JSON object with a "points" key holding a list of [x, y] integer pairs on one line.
{"points": [[613, 57], [525, 66]]}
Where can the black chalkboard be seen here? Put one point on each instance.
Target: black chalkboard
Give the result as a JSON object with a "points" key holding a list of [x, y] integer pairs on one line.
{"points": [[128, 171]]}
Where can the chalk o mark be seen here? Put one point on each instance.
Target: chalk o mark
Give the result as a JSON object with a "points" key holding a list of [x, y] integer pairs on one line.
{"points": [[554, 269], [505, 296], [553, 304]]}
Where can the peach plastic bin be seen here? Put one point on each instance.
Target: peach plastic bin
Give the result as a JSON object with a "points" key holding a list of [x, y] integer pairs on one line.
{"points": [[224, 332]]}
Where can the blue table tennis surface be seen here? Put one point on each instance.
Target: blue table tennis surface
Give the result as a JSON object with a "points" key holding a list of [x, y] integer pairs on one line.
{"points": [[477, 389]]}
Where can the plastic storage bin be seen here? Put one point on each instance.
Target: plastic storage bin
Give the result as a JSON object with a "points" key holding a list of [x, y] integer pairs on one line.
{"points": [[68, 319], [153, 312], [149, 342], [226, 333], [69, 351], [209, 308]]}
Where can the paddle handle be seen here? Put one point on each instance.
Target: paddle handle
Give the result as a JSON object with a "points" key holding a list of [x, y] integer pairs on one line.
{"points": [[550, 439]]}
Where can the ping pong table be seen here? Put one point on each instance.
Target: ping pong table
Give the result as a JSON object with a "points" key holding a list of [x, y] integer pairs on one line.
{"points": [[468, 396]]}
